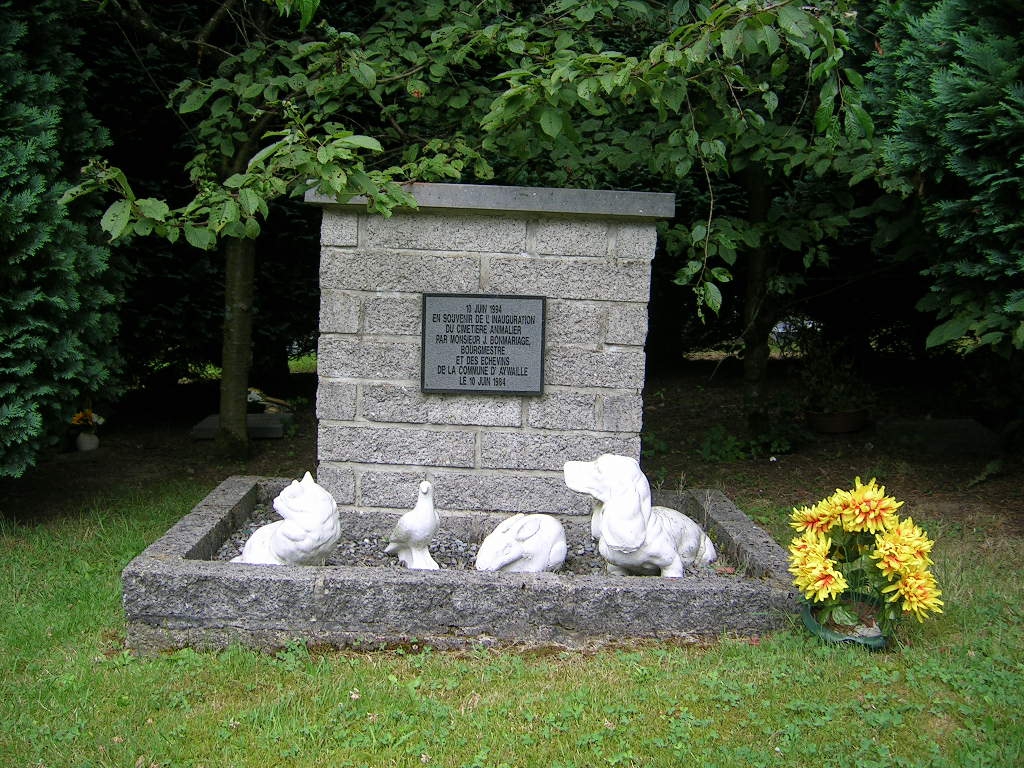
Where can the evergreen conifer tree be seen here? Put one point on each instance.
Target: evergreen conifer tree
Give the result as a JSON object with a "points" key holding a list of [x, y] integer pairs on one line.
{"points": [[949, 98], [56, 326]]}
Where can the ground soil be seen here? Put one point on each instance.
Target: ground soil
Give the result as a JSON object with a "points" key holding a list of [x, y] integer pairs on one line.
{"points": [[695, 435]]}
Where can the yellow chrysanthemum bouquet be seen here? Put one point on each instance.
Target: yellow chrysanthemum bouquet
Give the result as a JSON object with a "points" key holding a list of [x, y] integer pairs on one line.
{"points": [[854, 549]]}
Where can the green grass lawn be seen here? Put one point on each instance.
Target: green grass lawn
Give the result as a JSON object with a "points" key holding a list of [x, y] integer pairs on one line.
{"points": [[950, 694]]}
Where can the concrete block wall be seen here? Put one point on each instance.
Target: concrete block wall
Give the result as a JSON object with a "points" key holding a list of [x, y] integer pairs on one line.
{"points": [[588, 252]]}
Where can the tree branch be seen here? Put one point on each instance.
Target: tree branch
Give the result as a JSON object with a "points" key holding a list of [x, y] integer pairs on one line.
{"points": [[211, 26], [137, 17]]}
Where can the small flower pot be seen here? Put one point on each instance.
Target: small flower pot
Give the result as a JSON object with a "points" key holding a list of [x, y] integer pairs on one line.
{"points": [[875, 642], [87, 441]]}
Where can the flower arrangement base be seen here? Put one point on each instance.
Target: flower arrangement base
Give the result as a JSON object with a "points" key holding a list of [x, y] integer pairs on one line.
{"points": [[867, 634], [87, 441]]}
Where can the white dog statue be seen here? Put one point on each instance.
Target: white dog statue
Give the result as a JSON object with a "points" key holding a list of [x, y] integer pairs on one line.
{"points": [[307, 535], [523, 544], [634, 537]]}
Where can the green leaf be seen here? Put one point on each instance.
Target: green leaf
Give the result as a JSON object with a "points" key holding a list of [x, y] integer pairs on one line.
{"points": [[731, 41], [364, 183], [823, 116], [551, 121], [698, 52], [153, 208], [228, 212], [673, 94], [951, 330], [253, 90], [712, 297], [365, 75], [366, 142], [584, 13], [195, 100], [863, 119], [115, 220], [721, 274], [586, 89], [199, 237], [790, 239], [249, 201], [221, 106], [264, 153], [844, 616], [793, 21], [770, 38]]}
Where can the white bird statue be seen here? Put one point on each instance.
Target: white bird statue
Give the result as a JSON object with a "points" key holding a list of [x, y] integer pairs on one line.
{"points": [[307, 535], [414, 530], [523, 544]]}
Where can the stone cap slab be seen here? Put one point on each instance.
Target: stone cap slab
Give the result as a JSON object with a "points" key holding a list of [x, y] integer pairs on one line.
{"points": [[543, 200]]}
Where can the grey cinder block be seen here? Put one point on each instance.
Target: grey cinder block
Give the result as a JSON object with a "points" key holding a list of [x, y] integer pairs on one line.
{"points": [[396, 445], [396, 403]]}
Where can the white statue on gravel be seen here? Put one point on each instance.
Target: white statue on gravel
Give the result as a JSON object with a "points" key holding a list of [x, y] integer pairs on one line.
{"points": [[634, 537], [523, 544], [411, 536], [307, 535]]}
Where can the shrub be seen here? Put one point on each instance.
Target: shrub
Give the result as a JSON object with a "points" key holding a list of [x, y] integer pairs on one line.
{"points": [[56, 326]]}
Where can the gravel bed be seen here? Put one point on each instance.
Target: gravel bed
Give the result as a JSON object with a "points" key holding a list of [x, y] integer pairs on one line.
{"points": [[449, 551]]}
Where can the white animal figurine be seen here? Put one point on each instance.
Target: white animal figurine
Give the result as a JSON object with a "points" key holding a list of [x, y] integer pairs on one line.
{"points": [[634, 537], [307, 535], [523, 544], [414, 530]]}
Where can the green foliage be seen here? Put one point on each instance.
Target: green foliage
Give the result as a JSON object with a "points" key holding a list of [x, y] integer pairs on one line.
{"points": [[719, 445], [56, 325], [701, 96], [271, 124], [949, 90]]}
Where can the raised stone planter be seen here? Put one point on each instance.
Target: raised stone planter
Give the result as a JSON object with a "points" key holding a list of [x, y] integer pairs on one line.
{"points": [[175, 596]]}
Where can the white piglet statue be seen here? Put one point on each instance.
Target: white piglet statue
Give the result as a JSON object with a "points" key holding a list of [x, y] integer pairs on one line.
{"points": [[523, 544], [308, 533], [633, 536]]}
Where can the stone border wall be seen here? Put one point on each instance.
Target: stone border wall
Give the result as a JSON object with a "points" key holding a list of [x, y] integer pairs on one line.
{"points": [[588, 252], [175, 596]]}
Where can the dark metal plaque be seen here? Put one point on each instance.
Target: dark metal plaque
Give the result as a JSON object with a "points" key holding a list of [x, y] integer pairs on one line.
{"points": [[483, 344]]}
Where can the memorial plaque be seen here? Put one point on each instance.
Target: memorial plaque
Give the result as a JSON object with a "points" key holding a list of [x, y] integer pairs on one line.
{"points": [[482, 343]]}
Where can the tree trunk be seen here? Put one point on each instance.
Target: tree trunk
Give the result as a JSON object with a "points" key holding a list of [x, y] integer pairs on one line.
{"points": [[758, 307], [239, 287]]}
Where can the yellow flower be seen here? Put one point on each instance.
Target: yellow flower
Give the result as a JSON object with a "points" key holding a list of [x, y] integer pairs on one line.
{"points": [[902, 549], [86, 419], [811, 546], [820, 518], [919, 592], [819, 580], [866, 507]]}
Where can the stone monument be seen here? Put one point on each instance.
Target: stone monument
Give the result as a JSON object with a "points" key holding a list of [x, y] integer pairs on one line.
{"points": [[512, 278]]}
